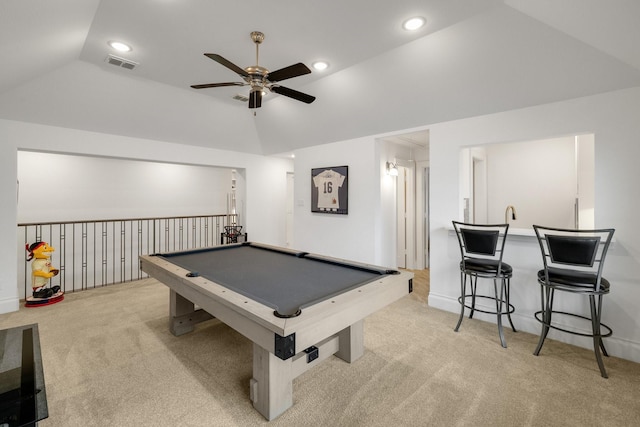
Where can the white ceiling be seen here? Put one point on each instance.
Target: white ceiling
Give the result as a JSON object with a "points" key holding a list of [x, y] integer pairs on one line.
{"points": [[474, 57]]}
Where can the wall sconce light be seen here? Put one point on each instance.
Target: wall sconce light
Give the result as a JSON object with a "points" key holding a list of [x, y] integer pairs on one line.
{"points": [[392, 169]]}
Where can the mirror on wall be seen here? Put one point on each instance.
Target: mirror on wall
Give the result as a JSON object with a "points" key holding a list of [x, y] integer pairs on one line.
{"points": [[548, 182]]}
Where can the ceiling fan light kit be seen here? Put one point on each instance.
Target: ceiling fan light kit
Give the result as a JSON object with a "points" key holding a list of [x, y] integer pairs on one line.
{"points": [[260, 79]]}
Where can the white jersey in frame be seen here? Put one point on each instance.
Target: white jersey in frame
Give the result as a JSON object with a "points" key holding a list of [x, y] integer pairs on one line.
{"points": [[328, 184]]}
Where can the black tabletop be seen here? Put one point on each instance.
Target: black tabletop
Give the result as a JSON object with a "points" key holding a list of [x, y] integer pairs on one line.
{"points": [[23, 399]]}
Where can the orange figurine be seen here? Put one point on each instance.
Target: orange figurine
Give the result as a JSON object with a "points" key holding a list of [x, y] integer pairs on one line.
{"points": [[40, 275]]}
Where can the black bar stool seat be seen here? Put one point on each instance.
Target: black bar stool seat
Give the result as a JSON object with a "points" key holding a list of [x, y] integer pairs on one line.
{"points": [[489, 267], [573, 280]]}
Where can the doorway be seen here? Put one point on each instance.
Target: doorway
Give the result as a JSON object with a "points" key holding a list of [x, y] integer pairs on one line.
{"points": [[409, 153], [412, 215]]}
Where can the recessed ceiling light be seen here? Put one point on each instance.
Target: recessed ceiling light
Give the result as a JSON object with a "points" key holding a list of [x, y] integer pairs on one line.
{"points": [[119, 46], [320, 65], [413, 24]]}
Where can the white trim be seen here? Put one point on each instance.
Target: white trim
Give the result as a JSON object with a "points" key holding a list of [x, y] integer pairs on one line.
{"points": [[7, 305]]}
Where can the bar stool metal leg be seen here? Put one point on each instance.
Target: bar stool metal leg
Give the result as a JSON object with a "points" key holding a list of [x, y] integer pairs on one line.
{"points": [[463, 291], [474, 286], [547, 301], [499, 309], [507, 292], [604, 350], [597, 337]]}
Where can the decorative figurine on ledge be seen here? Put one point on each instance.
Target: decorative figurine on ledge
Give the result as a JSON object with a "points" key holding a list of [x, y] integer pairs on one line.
{"points": [[41, 273]]}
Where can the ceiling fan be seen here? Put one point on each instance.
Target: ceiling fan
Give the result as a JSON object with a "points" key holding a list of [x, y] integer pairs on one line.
{"points": [[260, 79]]}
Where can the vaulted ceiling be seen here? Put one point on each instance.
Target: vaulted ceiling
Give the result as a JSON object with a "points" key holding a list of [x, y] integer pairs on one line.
{"points": [[473, 57]]}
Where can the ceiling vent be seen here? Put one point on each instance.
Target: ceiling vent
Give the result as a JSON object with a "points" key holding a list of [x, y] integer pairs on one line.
{"points": [[120, 62], [239, 97]]}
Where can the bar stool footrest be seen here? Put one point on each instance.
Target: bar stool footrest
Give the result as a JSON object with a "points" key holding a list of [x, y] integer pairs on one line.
{"points": [[538, 316], [462, 301]]}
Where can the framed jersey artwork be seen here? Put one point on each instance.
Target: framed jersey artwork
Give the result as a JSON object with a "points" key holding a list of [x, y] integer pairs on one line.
{"points": [[330, 190]]}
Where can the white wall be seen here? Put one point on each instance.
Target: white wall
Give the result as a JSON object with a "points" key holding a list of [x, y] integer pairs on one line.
{"points": [[8, 195], [538, 178], [368, 233], [350, 236], [521, 174], [586, 169], [613, 119], [265, 181], [473, 170], [58, 187]]}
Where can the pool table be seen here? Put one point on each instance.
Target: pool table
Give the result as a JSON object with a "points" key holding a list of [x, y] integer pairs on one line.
{"points": [[297, 308]]}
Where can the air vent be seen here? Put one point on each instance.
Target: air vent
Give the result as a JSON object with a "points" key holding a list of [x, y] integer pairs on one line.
{"points": [[120, 62], [239, 97]]}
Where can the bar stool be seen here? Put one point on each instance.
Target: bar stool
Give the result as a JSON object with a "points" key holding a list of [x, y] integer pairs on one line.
{"points": [[482, 247], [573, 262]]}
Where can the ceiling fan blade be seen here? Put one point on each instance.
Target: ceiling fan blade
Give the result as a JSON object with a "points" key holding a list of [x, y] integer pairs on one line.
{"points": [[230, 65], [255, 99], [299, 96], [294, 70], [204, 86]]}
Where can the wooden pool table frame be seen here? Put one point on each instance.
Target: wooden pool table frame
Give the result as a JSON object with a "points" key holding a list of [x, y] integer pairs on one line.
{"points": [[333, 326]]}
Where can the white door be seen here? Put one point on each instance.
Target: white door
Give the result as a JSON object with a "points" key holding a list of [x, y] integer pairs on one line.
{"points": [[422, 215], [405, 214], [401, 219]]}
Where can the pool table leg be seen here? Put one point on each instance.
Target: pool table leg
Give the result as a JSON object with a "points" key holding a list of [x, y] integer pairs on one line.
{"points": [[271, 387], [183, 316], [351, 342]]}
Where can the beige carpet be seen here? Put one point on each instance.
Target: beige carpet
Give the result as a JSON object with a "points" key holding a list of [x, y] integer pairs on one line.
{"points": [[110, 360]]}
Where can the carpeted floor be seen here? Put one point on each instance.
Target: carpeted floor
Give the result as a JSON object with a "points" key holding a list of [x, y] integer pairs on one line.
{"points": [[110, 360]]}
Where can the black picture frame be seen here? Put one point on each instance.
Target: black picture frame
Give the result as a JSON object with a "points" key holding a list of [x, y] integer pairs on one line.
{"points": [[330, 190]]}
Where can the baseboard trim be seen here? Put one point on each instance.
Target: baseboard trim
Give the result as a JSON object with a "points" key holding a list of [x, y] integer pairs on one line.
{"points": [[525, 322], [8, 305]]}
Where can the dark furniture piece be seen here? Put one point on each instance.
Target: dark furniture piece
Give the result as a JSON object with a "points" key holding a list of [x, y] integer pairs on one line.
{"points": [[23, 399], [573, 262], [481, 248], [297, 308]]}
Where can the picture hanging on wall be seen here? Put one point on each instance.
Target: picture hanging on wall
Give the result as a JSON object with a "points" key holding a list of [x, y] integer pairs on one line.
{"points": [[330, 190]]}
